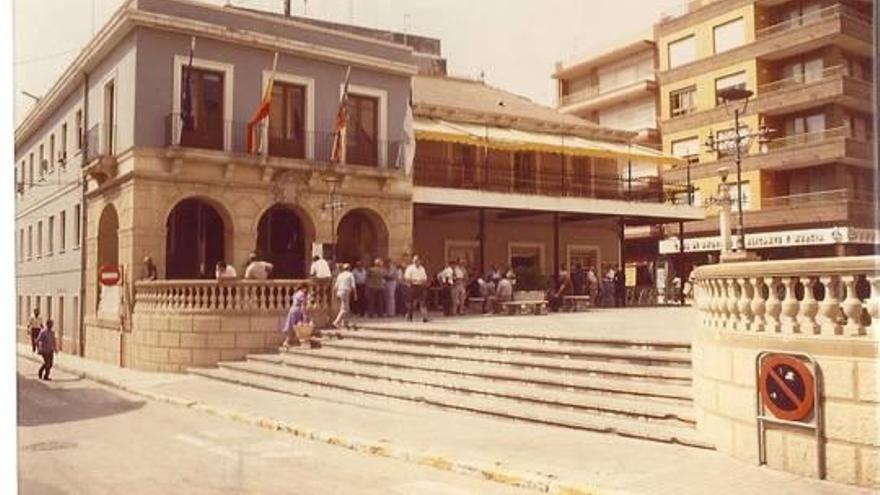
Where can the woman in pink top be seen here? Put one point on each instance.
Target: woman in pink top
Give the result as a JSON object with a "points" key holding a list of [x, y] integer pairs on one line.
{"points": [[296, 314]]}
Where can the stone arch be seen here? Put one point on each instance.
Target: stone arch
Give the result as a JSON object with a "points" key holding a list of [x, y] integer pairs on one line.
{"points": [[108, 236], [361, 234], [198, 234], [285, 233]]}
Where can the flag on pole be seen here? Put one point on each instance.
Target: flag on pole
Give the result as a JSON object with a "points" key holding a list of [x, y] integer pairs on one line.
{"points": [[186, 96], [261, 113], [339, 143], [408, 154]]}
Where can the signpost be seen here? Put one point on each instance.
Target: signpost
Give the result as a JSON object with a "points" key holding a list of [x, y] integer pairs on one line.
{"points": [[789, 388]]}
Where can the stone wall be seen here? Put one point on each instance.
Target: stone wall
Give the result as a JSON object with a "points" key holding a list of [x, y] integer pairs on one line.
{"points": [[750, 307]]}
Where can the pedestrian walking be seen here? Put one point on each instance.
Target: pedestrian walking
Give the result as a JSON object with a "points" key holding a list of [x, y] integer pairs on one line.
{"points": [[46, 348], [360, 283], [296, 315], [345, 289], [416, 279], [35, 324], [376, 289], [392, 275]]}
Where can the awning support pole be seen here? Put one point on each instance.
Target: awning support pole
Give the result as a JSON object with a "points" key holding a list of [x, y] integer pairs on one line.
{"points": [[556, 249], [482, 239]]}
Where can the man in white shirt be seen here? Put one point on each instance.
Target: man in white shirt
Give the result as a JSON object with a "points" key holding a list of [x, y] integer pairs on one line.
{"points": [[345, 289], [445, 278], [504, 291], [416, 278], [225, 272], [320, 269], [257, 269], [459, 283]]}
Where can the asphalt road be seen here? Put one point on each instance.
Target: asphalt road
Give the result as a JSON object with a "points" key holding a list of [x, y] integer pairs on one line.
{"points": [[77, 437]]}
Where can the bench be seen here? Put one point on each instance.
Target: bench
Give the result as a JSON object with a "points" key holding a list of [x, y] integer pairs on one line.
{"points": [[534, 307], [480, 301], [575, 303]]}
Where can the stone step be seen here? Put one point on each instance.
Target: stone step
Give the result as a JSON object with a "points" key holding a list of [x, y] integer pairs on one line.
{"points": [[679, 375], [500, 345], [532, 338], [621, 386], [273, 378], [330, 372]]}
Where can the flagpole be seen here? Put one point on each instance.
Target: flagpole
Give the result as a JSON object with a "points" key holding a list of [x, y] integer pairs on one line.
{"points": [[269, 88]]}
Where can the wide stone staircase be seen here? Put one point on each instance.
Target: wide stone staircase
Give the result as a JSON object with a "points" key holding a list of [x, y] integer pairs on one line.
{"points": [[637, 389]]}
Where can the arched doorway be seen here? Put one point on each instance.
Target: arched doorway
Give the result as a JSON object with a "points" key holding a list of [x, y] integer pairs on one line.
{"points": [[108, 254], [195, 240], [361, 236], [282, 239]]}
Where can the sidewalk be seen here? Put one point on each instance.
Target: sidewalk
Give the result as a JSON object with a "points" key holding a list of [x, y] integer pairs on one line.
{"points": [[543, 458]]}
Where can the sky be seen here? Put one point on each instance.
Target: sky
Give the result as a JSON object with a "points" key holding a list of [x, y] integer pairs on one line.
{"points": [[515, 43]]}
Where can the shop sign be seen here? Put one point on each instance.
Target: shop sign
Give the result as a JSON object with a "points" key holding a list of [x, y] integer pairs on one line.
{"points": [[788, 238]]}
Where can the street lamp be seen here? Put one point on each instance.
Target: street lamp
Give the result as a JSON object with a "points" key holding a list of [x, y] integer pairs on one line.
{"points": [[730, 97], [332, 178]]}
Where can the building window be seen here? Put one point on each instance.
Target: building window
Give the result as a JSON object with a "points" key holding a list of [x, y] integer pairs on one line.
{"points": [[43, 164], [737, 81], [51, 235], [20, 245], [688, 148], [803, 70], [362, 130], [79, 130], [62, 227], [682, 51], [729, 35], [31, 169], [524, 179], [19, 307], [746, 195], [525, 255], [51, 158], [62, 155], [77, 225], [109, 134], [205, 126], [287, 120], [30, 241], [804, 129], [39, 238], [683, 101]]}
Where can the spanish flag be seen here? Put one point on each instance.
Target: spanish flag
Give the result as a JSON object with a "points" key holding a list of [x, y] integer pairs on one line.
{"points": [[337, 154], [254, 143]]}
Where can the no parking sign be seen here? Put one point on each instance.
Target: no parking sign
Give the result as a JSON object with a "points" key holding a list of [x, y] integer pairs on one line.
{"points": [[787, 387]]}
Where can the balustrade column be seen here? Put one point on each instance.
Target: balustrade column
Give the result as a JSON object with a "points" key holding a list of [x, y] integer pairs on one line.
{"points": [[716, 303], [809, 307], [758, 305], [873, 305], [789, 306], [731, 299], [829, 309], [744, 304], [774, 306], [852, 308]]}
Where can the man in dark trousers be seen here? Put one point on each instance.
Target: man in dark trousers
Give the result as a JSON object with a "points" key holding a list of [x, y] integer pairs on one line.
{"points": [[35, 324], [620, 287], [46, 348]]}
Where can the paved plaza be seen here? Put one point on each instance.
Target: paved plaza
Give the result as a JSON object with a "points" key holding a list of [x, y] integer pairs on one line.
{"points": [[533, 457]]}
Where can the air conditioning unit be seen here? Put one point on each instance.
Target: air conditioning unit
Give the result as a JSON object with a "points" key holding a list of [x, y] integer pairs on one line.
{"points": [[62, 157], [19, 187]]}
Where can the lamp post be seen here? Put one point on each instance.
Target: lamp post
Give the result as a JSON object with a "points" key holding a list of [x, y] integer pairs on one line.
{"points": [[332, 178], [731, 97]]}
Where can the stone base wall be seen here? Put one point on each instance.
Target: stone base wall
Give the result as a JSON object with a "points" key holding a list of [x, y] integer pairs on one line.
{"points": [[105, 343], [175, 342], [725, 397]]}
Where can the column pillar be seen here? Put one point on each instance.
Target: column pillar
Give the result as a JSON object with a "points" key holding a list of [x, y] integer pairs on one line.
{"points": [[556, 248], [481, 237]]}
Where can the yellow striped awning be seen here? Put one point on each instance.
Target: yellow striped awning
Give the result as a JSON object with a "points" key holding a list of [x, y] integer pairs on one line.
{"points": [[518, 140]]}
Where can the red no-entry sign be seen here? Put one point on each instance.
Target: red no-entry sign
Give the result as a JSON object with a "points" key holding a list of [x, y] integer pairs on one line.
{"points": [[109, 274], [787, 387]]}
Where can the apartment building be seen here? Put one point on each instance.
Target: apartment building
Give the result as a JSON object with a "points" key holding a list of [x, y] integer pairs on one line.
{"points": [[48, 221], [807, 180]]}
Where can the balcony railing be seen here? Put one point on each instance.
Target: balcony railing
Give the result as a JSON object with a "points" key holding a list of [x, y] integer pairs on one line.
{"points": [[236, 296], [802, 80], [807, 138], [546, 183], [808, 298], [100, 141], [830, 196], [595, 90], [316, 146], [832, 12]]}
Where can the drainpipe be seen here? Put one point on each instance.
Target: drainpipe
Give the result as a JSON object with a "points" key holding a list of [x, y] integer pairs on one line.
{"points": [[84, 217]]}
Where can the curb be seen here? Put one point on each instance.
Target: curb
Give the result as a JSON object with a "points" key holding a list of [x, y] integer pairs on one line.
{"points": [[540, 482]]}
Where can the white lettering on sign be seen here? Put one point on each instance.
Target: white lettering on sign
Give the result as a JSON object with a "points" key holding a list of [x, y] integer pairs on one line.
{"points": [[810, 237]]}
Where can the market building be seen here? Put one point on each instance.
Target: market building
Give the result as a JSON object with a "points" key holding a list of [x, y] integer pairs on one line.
{"points": [[808, 167]]}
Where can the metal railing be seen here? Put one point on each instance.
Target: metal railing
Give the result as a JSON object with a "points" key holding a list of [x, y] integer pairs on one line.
{"points": [[830, 196], [100, 141], [807, 138], [832, 12], [595, 90], [232, 136], [506, 179]]}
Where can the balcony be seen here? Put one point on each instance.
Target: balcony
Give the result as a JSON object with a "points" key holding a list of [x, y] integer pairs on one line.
{"points": [[832, 207], [232, 137], [544, 183], [790, 152], [593, 98], [100, 152], [837, 24], [834, 85]]}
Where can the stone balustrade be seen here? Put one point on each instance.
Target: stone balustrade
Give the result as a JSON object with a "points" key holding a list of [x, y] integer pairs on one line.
{"points": [[828, 308], [227, 297], [809, 297]]}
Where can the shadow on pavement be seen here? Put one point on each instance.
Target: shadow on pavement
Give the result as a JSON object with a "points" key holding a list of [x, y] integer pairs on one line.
{"points": [[40, 403]]}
